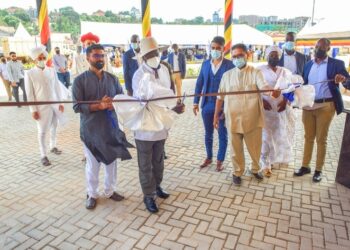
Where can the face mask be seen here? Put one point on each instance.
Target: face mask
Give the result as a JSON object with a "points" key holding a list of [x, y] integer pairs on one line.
{"points": [[57, 52], [153, 62], [98, 65], [289, 46], [41, 64], [215, 54], [273, 62], [319, 53], [239, 62], [134, 45]]}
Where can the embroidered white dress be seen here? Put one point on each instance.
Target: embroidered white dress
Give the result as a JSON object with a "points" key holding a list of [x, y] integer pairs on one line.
{"points": [[279, 129]]}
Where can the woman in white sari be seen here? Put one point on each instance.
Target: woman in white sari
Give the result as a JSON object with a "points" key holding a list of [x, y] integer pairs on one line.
{"points": [[279, 127]]}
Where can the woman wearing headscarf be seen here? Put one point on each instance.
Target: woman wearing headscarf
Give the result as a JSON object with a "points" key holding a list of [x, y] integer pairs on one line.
{"points": [[279, 127]]}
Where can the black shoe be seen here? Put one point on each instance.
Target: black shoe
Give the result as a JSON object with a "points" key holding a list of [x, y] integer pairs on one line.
{"points": [[90, 203], [116, 197], [56, 151], [45, 161], [150, 204], [161, 193], [317, 176], [236, 180], [301, 171], [258, 176]]}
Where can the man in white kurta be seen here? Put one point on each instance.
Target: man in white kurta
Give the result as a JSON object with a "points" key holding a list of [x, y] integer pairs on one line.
{"points": [[80, 63], [279, 116], [243, 113], [42, 84]]}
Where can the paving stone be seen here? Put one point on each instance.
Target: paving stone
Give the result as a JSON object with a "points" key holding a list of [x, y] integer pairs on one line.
{"points": [[44, 207]]}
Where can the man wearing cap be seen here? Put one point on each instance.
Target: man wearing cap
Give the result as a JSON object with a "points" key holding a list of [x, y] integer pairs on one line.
{"points": [[131, 62], [103, 141], [208, 81], [150, 145], [80, 63], [42, 84]]}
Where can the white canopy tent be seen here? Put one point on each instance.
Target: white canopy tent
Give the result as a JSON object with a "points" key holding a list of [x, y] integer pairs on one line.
{"points": [[329, 28], [120, 33]]}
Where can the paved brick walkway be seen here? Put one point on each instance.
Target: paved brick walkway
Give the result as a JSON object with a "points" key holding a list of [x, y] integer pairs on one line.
{"points": [[43, 207]]}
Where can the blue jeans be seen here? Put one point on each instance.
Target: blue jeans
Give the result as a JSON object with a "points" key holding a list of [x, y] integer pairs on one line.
{"points": [[208, 111], [64, 78]]}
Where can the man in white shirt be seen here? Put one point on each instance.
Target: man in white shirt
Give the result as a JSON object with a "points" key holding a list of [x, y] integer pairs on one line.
{"points": [[150, 145], [292, 59], [42, 84], [80, 63], [5, 77]]}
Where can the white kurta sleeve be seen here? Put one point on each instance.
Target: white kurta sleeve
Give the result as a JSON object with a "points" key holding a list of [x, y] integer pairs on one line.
{"points": [[29, 86]]}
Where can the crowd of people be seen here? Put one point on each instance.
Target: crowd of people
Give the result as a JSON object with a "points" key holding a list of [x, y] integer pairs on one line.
{"points": [[264, 122]]}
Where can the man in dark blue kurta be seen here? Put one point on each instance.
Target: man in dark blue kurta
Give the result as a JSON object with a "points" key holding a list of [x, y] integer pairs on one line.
{"points": [[208, 82], [103, 141]]}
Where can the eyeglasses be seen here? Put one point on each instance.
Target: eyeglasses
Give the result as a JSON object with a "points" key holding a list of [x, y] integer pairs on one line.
{"points": [[98, 56]]}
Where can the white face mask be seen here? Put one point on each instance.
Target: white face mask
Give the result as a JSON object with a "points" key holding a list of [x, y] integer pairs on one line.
{"points": [[41, 64], [153, 62]]}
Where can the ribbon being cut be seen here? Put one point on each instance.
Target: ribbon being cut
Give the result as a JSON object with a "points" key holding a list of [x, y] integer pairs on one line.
{"points": [[295, 92], [151, 116]]}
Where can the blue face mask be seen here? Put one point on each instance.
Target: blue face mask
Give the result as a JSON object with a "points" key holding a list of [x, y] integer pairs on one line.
{"points": [[134, 45], [239, 62], [289, 46], [215, 54]]}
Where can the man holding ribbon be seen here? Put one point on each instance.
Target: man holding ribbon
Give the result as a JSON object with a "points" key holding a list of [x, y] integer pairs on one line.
{"points": [[325, 74], [103, 141]]}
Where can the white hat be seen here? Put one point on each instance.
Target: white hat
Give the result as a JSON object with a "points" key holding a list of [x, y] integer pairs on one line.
{"points": [[35, 52], [147, 45], [272, 49]]}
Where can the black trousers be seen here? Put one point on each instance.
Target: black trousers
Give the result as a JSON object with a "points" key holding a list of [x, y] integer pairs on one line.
{"points": [[150, 157], [15, 93]]}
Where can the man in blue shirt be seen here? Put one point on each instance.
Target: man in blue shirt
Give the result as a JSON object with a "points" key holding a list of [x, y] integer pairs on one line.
{"points": [[208, 81], [61, 66], [325, 74]]}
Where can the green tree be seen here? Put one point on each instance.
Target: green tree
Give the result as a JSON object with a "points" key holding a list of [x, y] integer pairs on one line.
{"points": [[11, 21]]}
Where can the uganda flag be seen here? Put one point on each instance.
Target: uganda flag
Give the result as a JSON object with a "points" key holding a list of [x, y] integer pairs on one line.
{"points": [[44, 27]]}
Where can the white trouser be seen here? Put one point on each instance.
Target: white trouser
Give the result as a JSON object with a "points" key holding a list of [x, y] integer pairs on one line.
{"points": [[92, 172], [48, 120]]}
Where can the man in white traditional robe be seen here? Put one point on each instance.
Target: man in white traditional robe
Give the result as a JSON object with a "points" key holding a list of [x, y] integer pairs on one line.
{"points": [[80, 63], [42, 84], [278, 132]]}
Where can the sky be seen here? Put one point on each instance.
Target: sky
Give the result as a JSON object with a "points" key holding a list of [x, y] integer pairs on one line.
{"points": [[169, 10]]}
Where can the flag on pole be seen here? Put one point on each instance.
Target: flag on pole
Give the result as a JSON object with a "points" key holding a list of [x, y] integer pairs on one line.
{"points": [[44, 27], [146, 18], [228, 27]]}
